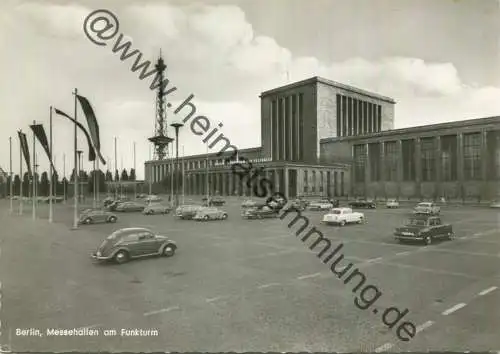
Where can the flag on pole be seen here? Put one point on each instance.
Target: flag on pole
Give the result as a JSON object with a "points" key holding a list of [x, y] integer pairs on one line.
{"points": [[92, 124], [92, 154], [25, 149], [39, 132]]}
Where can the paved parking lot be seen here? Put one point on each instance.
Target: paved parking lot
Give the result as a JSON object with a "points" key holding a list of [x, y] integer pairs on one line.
{"points": [[239, 285]]}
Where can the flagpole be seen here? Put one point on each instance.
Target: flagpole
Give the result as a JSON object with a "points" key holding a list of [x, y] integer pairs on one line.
{"points": [[135, 173], [51, 181], [21, 196], [98, 180], [11, 179], [208, 193], [182, 161], [116, 171], [150, 171], [64, 178], [93, 185], [34, 179], [75, 158], [172, 166]]}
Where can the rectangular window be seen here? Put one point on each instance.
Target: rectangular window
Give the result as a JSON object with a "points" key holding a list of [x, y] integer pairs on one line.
{"points": [[448, 158], [306, 182], [472, 156], [321, 181], [391, 161], [493, 148], [342, 183], [274, 130], [374, 154], [301, 126], [335, 181], [379, 117], [359, 162], [428, 158], [408, 160], [365, 116], [355, 118], [339, 115], [350, 118], [344, 116], [313, 182]]}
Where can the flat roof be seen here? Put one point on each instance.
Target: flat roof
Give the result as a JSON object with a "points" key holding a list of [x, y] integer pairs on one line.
{"points": [[241, 152], [318, 79], [420, 129]]}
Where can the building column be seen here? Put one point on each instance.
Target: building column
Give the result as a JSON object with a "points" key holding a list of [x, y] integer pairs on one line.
{"points": [[367, 170], [439, 168], [460, 165], [418, 168], [383, 175], [285, 172], [485, 195], [399, 166], [276, 180]]}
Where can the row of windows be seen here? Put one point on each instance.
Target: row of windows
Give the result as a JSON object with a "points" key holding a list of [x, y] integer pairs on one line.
{"points": [[287, 128], [313, 185], [357, 117], [435, 162]]}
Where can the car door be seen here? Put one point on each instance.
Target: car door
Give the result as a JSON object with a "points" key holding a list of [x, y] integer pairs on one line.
{"points": [[439, 228], [147, 243], [99, 216], [433, 228]]}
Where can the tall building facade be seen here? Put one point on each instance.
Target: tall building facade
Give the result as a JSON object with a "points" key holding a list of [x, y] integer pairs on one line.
{"points": [[294, 119]]}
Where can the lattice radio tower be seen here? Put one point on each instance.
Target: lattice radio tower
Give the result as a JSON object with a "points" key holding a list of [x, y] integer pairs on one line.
{"points": [[161, 139]]}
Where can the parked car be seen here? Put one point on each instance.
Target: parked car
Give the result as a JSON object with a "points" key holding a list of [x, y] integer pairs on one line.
{"points": [[141, 196], [215, 201], [299, 204], [426, 208], [152, 199], [206, 214], [249, 203], [130, 206], [363, 204], [114, 204], [156, 208], [92, 216], [424, 228], [187, 212], [276, 203], [495, 204], [343, 216], [54, 199], [392, 204], [321, 205], [126, 244], [262, 211]]}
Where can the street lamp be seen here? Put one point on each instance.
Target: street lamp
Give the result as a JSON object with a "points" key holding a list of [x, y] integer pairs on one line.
{"points": [[176, 126], [77, 173]]}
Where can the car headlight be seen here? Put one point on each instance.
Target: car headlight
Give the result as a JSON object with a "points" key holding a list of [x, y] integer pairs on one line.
{"points": [[98, 254]]}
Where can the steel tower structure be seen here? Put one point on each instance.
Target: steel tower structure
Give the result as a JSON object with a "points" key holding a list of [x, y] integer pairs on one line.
{"points": [[161, 139]]}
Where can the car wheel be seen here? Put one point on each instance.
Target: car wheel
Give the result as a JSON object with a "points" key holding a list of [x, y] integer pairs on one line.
{"points": [[121, 257], [88, 221], [206, 218], [450, 236], [428, 240], [169, 250], [342, 223], [224, 216], [360, 221], [112, 219]]}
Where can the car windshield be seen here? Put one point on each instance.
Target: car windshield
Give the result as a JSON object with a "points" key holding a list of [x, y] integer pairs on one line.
{"points": [[424, 205], [336, 211], [417, 222]]}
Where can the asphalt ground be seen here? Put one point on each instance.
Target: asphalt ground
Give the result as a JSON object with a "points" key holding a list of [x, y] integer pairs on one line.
{"points": [[240, 285]]}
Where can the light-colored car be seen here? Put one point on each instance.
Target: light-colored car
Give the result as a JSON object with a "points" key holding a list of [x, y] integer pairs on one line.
{"points": [[152, 199], [92, 216], [188, 211], [342, 216], [206, 214], [426, 208], [153, 209], [392, 204], [249, 203], [495, 204], [320, 205]]}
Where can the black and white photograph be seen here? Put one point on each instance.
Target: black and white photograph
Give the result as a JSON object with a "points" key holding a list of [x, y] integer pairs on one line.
{"points": [[250, 176]]}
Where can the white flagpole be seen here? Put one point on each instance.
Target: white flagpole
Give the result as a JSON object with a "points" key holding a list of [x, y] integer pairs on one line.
{"points": [[64, 178], [208, 192], [34, 176], [97, 183], [21, 196], [75, 157], [172, 166], [135, 173], [116, 171], [94, 184], [150, 175], [11, 179], [183, 196], [51, 188]]}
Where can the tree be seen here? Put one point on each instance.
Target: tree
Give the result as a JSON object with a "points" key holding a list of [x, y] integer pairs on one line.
{"points": [[44, 184], [117, 176], [124, 175], [109, 176], [132, 175], [17, 184]]}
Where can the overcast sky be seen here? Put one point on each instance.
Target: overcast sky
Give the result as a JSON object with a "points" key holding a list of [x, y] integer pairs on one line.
{"points": [[438, 59]]}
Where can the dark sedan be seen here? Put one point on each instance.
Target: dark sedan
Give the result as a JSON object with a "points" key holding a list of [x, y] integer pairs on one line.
{"points": [[112, 205], [187, 212], [425, 229], [126, 244], [215, 201], [363, 204], [260, 212], [92, 216], [130, 206]]}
